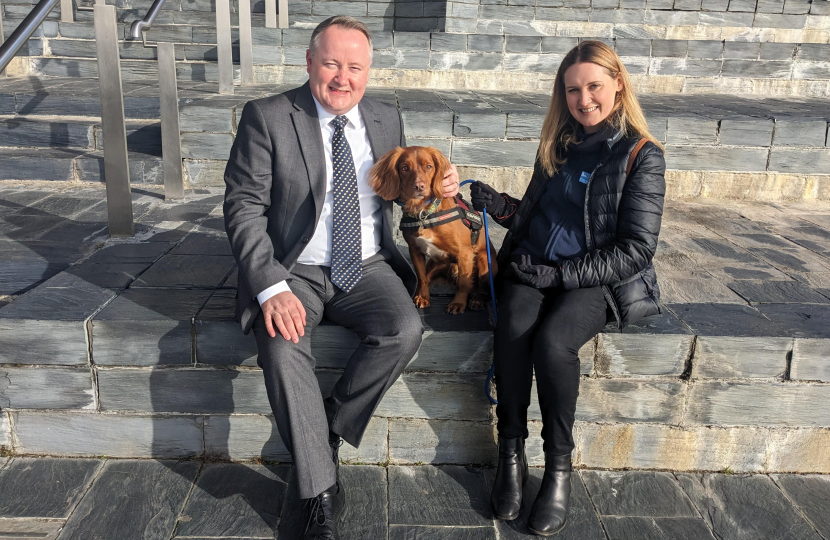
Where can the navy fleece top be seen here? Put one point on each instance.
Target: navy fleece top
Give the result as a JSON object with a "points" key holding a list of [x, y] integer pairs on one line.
{"points": [[557, 223]]}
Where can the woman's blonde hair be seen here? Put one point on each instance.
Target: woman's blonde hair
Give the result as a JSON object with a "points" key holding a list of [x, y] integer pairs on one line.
{"points": [[560, 128]]}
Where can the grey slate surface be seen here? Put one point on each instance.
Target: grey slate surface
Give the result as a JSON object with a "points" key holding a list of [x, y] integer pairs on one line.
{"points": [[438, 496], [744, 507], [235, 500], [133, 500], [159, 500], [638, 493], [44, 488]]}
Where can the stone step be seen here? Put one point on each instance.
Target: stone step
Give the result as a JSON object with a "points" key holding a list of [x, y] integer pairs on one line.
{"points": [[67, 164], [59, 132], [772, 149], [136, 342], [485, 62], [773, 20], [144, 328]]}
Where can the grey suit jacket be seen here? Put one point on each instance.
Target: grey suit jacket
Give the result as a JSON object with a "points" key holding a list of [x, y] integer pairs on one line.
{"points": [[275, 187]]}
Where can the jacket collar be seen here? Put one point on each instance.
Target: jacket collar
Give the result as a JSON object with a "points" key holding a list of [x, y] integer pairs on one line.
{"points": [[307, 128]]}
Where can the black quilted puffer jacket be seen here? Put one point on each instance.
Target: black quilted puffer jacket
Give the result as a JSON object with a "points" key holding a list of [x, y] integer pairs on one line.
{"points": [[622, 221]]}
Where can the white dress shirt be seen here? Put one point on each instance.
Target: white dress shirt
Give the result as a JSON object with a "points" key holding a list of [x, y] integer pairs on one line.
{"points": [[318, 250]]}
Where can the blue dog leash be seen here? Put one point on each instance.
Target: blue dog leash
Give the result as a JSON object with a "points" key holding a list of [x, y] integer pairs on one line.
{"points": [[492, 369]]}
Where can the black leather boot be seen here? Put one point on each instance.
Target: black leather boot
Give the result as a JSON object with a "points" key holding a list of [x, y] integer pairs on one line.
{"points": [[511, 476], [325, 511], [550, 510]]}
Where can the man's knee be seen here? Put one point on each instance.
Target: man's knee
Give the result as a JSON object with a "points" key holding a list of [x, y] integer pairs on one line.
{"points": [[404, 329], [409, 329]]}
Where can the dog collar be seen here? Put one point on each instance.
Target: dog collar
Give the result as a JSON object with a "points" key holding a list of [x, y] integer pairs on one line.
{"points": [[426, 211]]}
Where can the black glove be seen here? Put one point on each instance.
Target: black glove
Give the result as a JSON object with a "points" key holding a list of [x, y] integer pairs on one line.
{"points": [[482, 195], [539, 276]]}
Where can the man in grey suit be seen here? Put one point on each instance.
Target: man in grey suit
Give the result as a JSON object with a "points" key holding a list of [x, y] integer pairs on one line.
{"points": [[313, 241]]}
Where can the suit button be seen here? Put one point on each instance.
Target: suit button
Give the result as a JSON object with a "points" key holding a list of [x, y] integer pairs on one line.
{"points": [[305, 240]]}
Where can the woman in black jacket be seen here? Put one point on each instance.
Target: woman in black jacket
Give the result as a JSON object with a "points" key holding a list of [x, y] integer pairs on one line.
{"points": [[577, 256]]}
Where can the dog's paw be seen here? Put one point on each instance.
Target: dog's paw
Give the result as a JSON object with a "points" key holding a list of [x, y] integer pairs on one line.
{"points": [[420, 301], [455, 308], [476, 304]]}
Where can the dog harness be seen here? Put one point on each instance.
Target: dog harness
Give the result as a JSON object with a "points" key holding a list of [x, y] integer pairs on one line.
{"points": [[429, 218]]}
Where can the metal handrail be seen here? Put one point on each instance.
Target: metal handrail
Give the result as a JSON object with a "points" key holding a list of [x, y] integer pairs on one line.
{"points": [[140, 26], [24, 31]]}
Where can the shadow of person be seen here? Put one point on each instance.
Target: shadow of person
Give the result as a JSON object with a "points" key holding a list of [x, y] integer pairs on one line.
{"points": [[142, 351]]}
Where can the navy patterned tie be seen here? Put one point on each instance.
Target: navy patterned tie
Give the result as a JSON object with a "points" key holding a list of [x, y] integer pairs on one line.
{"points": [[346, 249]]}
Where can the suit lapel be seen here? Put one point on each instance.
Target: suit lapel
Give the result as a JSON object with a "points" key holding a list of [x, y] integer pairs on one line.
{"points": [[307, 126], [380, 142], [374, 129]]}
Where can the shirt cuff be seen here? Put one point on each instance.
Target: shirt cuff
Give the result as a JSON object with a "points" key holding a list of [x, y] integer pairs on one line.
{"points": [[273, 290]]}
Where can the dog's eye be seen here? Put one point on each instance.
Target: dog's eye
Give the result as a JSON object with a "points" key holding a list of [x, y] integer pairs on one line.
{"points": [[405, 168], [429, 167]]}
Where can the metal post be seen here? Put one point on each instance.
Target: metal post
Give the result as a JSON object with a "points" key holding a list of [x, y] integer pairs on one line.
{"points": [[171, 146], [116, 164], [2, 36], [283, 13], [223, 46], [270, 13], [246, 50], [67, 11]]}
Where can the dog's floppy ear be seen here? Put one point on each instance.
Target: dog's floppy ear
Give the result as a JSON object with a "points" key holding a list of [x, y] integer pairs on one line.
{"points": [[384, 178], [442, 165]]}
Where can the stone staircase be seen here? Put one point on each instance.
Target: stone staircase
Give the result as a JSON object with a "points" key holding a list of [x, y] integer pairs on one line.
{"points": [[128, 348]]}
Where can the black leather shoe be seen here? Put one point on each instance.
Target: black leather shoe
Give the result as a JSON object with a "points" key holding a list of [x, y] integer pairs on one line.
{"points": [[511, 476], [335, 442], [325, 512], [550, 509]]}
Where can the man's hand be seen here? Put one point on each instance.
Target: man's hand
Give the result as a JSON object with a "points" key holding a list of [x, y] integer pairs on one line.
{"points": [[285, 313], [451, 183]]}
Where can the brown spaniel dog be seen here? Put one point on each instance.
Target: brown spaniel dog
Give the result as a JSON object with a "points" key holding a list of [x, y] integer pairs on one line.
{"points": [[413, 177]]}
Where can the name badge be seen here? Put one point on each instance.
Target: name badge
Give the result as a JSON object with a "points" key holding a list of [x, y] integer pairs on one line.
{"points": [[584, 177]]}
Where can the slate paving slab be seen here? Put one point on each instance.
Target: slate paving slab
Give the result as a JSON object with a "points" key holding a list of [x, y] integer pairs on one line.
{"points": [[777, 292], [637, 493], [110, 276], [200, 243], [799, 320], [448, 495], [186, 272], [744, 507], [583, 522], [44, 488], [412, 532], [366, 511], [643, 528], [811, 494], [133, 500], [24, 529], [234, 499]]}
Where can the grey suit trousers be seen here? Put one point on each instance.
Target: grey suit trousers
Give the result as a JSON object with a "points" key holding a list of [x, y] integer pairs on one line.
{"points": [[380, 311]]}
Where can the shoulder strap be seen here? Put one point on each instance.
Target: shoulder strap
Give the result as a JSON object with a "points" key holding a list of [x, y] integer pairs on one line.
{"points": [[633, 155]]}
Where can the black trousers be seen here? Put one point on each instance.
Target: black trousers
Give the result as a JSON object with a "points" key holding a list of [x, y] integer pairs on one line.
{"points": [[542, 330]]}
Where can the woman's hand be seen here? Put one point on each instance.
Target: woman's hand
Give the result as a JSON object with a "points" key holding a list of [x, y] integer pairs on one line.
{"points": [[539, 276], [482, 195]]}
